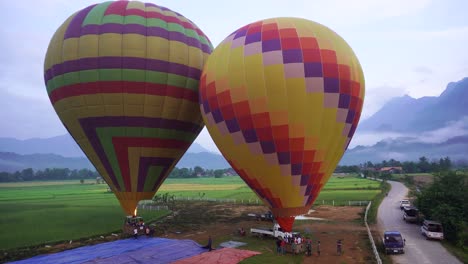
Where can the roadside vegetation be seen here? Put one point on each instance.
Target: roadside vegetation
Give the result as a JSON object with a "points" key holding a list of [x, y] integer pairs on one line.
{"points": [[446, 201]]}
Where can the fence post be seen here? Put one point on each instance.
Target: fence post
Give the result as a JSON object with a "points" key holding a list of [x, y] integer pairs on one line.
{"points": [[374, 248]]}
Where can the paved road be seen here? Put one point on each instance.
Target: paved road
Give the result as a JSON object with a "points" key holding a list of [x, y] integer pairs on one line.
{"points": [[418, 249]]}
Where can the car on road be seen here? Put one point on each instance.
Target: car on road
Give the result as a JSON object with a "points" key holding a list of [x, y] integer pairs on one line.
{"points": [[410, 214], [432, 230], [393, 242], [404, 203]]}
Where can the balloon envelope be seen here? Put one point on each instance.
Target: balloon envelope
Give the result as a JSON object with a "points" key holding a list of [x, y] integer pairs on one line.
{"points": [[123, 78], [282, 98]]}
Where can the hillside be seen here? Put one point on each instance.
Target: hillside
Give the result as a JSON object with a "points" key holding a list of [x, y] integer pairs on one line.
{"points": [[407, 149], [406, 114], [11, 162]]}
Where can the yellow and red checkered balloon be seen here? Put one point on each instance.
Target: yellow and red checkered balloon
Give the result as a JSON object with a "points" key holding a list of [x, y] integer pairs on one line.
{"points": [[282, 98]]}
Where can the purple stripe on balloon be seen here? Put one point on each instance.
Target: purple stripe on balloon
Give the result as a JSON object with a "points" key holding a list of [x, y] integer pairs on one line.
{"points": [[350, 116], [90, 124], [250, 135], [296, 169], [93, 29], [313, 69], [240, 33], [308, 190], [146, 163], [232, 125], [292, 56], [122, 62], [345, 99], [267, 146], [217, 116], [271, 45], [206, 107], [351, 131], [304, 180], [251, 38], [74, 28], [284, 157], [331, 85]]}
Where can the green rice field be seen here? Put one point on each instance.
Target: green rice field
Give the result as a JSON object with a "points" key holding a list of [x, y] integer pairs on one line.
{"points": [[45, 212]]}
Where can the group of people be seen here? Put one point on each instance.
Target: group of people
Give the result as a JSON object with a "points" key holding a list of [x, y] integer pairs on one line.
{"points": [[141, 228], [297, 244]]}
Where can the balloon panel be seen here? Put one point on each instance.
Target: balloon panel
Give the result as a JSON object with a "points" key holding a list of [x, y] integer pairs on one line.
{"points": [[282, 98], [123, 78]]}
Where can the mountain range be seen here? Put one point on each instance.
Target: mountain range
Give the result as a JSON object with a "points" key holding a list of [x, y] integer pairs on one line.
{"points": [[433, 127]]}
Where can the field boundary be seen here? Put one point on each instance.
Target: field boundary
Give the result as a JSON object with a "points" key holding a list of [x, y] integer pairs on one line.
{"points": [[151, 205], [374, 248]]}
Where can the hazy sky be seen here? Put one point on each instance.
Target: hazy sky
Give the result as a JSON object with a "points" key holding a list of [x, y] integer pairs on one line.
{"points": [[412, 47]]}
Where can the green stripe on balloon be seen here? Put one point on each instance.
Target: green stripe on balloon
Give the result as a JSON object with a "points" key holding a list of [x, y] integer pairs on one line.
{"points": [[121, 75], [96, 13], [151, 181], [96, 17]]}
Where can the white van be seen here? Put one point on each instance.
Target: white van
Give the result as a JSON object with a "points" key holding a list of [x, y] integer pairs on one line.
{"points": [[432, 230]]}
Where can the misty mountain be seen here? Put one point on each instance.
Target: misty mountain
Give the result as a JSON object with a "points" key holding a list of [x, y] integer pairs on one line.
{"points": [[63, 145], [206, 160], [406, 114], [11, 162], [407, 149]]}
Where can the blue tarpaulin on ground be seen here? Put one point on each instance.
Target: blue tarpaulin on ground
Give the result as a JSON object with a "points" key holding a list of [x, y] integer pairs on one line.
{"points": [[141, 250]]}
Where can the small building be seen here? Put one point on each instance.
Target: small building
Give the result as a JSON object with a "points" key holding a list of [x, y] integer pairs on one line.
{"points": [[392, 170]]}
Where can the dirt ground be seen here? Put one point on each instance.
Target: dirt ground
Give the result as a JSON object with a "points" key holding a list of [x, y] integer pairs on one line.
{"points": [[198, 220], [343, 223]]}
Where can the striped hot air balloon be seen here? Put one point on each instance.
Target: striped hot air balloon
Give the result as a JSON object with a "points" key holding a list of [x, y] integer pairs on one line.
{"points": [[123, 78], [282, 98]]}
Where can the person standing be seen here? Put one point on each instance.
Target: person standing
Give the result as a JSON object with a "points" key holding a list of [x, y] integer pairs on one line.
{"points": [[283, 247], [339, 247], [208, 246], [318, 247], [309, 247], [278, 245]]}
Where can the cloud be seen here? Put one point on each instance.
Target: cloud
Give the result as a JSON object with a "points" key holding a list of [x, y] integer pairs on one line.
{"points": [[393, 155], [452, 129], [423, 70], [357, 12], [376, 97], [206, 141], [27, 117]]}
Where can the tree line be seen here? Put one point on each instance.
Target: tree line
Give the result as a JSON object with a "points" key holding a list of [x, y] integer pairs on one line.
{"points": [[423, 165], [198, 172], [67, 174], [48, 174]]}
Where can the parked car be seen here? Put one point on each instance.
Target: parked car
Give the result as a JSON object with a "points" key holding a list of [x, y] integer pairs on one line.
{"points": [[432, 230], [411, 214], [404, 203], [393, 242]]}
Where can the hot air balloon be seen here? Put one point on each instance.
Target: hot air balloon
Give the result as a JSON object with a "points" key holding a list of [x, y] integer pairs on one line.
{"points": [[123, 78], [281, 99]]}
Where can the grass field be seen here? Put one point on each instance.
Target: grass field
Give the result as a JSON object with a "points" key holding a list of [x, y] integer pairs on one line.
{"points": [[44, 212], [338, 189], [47, 213]]}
